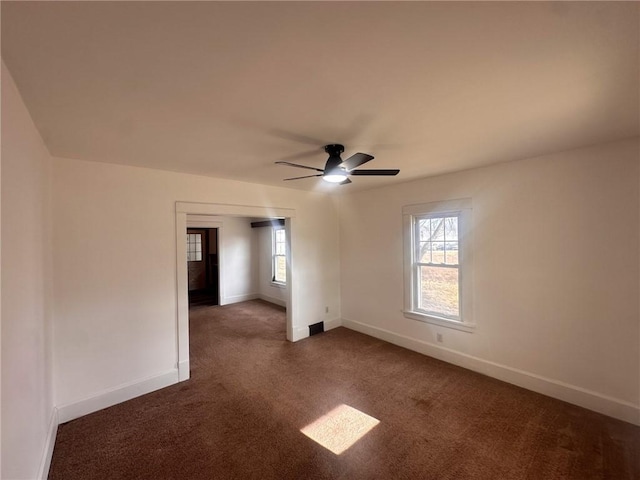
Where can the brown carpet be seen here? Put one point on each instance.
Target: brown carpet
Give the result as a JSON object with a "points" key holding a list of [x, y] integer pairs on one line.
{"points": [[251, 392]]}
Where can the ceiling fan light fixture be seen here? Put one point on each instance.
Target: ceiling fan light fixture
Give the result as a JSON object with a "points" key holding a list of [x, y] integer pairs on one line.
{"points": [[335, 176]]}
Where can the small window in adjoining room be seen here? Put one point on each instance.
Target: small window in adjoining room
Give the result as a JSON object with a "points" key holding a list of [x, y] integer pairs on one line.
{"points": [[279, 265], [194, 247], [438, 263]]}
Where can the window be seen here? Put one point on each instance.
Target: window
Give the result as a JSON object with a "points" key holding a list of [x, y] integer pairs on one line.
{"points": [[438, 263], [194, 247], [279, 256], [437, 268]]}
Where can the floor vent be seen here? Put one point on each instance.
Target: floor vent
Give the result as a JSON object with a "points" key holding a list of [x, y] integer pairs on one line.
{"points": [[316, 328]]}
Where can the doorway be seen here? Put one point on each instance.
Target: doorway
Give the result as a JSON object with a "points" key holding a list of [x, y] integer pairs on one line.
{"points": [[202, 266], [206, 215]]}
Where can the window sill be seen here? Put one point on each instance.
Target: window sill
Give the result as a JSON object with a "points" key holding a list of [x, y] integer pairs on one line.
{"points": [[278, 284], [443, 322]]}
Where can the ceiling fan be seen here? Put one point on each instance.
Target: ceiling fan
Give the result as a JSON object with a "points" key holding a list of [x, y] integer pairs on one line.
{"points": [[338, 171]]}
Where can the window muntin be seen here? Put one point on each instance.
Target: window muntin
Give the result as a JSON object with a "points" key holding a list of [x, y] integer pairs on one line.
{"points": [[194, 247], [279, 267]]}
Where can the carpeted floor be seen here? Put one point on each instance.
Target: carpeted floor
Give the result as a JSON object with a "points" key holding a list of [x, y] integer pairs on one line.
{"points": [[251, 393]]}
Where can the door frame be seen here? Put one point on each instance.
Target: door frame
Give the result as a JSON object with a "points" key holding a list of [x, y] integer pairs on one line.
{"points": [[182, 283]]}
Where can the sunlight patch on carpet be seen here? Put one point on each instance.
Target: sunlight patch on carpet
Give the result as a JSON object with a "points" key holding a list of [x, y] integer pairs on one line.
{"points": [[340, 428]]}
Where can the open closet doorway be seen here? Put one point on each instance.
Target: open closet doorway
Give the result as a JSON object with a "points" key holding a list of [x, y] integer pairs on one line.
{"points": [[202, 266]]}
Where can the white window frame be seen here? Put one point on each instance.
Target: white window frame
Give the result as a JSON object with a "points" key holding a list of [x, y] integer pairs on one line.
{"points": [[461, 208], [274, 255]]}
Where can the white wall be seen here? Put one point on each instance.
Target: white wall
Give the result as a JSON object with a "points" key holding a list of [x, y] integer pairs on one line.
{"points": [[115, 268], [266, 289], [556, 273], [238, 256], [27, 403]]}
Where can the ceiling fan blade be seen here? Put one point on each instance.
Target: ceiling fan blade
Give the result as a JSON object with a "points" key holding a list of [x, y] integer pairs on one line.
{"points": [[298, 178], [374, 172], [299, 166], [345, 182], [355, 161]]}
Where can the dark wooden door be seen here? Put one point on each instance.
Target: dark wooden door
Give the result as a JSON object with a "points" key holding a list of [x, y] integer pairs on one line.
{"points": [[197, 255]]}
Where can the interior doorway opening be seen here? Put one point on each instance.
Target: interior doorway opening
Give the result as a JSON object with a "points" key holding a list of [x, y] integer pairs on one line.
{"points": [[201, 216], [203, 266]]}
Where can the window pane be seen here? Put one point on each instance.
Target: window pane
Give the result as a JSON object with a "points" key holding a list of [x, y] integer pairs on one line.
{"points": [[194, 247], [438, 291], [425, 252], [451, 228], [437, 229], [451, 253], [438, 252], [279, 256], [281, 269], [424, 227]]}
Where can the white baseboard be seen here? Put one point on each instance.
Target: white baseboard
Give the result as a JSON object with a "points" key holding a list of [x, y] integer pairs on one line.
{"points": [[582, 397], [47, 454], [238, 298], [303, 332], [274, 300], [116, 395], [333, 323], [184, 370], [300, 333]]}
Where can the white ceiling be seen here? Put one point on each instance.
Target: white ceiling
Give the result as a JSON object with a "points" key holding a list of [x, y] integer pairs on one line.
{"points": [[227, 89]]}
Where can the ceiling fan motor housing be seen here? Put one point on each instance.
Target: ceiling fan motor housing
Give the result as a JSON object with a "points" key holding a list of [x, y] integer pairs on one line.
{"points": [[334, 151]]}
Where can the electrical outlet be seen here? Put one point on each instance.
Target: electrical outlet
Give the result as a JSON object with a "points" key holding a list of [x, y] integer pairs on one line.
{"points": [[439, 337]]}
